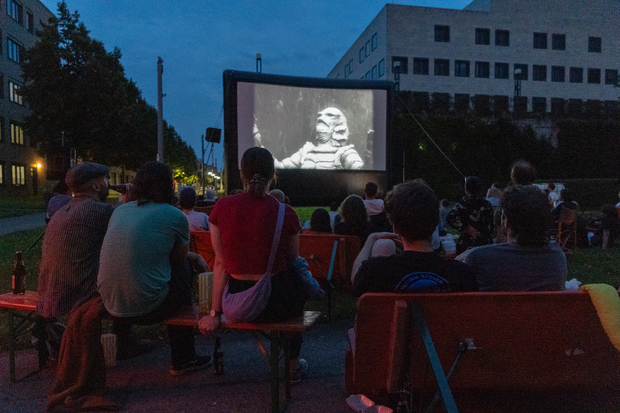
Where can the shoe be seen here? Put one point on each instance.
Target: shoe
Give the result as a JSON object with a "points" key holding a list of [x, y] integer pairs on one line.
{"points": [[135, 348], [200, 362], [300, 372]]}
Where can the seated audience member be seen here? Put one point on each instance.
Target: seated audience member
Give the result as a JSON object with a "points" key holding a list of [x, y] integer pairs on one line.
{"points": [[412, 209], [494, 194], [209, 199], [318, 223], [527, 262], [198, 221], [277, 194], [610, 222], [147, 243], [552, 196], [472, 216], [522, 173], [354, 219], [374, 208], [444, 210], [565, 201], [62, 198], [333, 213]]}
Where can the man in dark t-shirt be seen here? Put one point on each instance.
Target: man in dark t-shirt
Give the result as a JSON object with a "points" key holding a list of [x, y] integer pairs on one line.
{"points": [[413, 210]]}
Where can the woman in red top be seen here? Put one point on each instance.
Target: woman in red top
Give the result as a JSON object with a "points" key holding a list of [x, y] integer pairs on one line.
{"points": [[242, 230]]}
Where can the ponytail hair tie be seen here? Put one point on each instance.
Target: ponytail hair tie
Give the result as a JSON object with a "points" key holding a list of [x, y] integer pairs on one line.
{"points": [[257, 179]]}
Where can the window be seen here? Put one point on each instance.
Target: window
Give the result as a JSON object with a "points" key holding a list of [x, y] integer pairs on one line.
{"points": [[594, 75], [420, 66], [375, 41], [594, 44], [461, 68], [17, 134], [558, 41], [15, 95], [576, 75], [557, 106], [0, 40], [539, 105], [17, 171], [362, 55], [373, 74], [15, 10], [346, 70], [539, 73], [501, 104], [13, 50], [483, 36], [502, 38], [442, 33], [501, 70], [1, 128], [540, 40], [523, 75], [442, 67], [367, 75], [611, 76], [381, 68], [482, 69], [368, 51], [520, 105], [350, 66], [1, 173], [399, 64], [29, 22], [558, 73], [1, 85]]}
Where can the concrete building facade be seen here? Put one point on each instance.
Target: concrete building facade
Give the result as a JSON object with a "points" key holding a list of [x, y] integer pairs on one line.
{"points": [[22, 171], [564, 54]]}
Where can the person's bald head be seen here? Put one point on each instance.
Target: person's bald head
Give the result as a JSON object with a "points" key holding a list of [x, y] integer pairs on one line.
{"points": [[522, 173]]}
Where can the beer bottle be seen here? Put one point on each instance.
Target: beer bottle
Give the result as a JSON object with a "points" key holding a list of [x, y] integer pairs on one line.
{"points": [[19, 274], [218, 358]]}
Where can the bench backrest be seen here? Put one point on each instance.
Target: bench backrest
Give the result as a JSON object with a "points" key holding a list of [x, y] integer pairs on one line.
{"points": [[525, 341], [200, 243], [317, 250]]}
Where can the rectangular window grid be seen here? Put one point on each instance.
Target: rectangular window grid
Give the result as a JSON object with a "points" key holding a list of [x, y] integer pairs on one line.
{"points": [[539, 73], [558, 73], [502, 38], [442, 67], [15, 10], [576, 75], [15, 93], [442, 33], [13, 50], [594, 75], [17, 134], [594, 44], [18, 174], [420, 66], [483, 36], [501, 70], [461, 68], [558, 41], [482, 69], [540, 40]]}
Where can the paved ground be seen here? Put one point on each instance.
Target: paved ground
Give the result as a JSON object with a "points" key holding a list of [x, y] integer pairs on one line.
{"points": [[22, 223], [143, 384]]}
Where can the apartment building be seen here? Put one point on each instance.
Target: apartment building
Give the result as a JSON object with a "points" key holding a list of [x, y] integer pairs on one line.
{"points": [[557, 56], [22, 171]]}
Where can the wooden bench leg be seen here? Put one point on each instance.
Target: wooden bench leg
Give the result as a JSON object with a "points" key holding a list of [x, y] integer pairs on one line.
{"points": [[12, 339], [274, 365]]}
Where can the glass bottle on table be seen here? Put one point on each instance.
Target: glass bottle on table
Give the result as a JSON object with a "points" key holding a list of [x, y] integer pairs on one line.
{"points": [[19, 274]]}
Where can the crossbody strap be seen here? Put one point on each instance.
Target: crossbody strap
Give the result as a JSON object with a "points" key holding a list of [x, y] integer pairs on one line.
{"points": [[276, 238]]}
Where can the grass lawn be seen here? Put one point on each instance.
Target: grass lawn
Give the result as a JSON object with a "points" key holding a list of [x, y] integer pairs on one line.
{"points": [[17, 206]]}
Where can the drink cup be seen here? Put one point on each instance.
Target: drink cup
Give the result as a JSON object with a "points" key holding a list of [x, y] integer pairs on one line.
{"points": [[109, 349], [205, 288]]}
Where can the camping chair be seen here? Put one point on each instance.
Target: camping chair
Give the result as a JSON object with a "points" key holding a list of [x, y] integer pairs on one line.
{"points": [[567, 231]]}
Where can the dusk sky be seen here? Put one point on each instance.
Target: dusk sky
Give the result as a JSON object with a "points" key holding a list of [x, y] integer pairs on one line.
{"points": [[199, 39]]}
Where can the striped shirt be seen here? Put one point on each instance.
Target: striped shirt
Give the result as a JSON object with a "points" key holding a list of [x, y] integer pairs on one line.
{"points": [[70, 259]]}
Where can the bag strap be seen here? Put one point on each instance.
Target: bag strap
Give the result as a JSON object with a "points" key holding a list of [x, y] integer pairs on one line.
{"points": [[276, 239]]}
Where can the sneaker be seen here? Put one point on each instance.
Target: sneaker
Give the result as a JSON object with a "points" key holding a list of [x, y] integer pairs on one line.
{"points": [[200, 362], [301, 371]]}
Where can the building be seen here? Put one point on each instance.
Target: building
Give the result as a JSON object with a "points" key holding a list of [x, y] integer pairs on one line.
{"points": [[559, 56], [22, 171]]}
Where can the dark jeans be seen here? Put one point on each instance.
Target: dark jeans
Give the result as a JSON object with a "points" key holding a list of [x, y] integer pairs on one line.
{"points": [[179, 294], [287, 300]]}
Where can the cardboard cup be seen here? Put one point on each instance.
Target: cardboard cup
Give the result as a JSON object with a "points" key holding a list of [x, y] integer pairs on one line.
{"points": [[205, 288], [109, 349]]}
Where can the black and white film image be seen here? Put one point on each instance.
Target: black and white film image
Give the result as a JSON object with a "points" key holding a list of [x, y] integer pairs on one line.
{"points": [[313, 128]]}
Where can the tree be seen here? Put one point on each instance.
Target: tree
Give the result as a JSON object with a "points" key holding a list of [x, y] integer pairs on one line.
{"points": [[78, 90]]}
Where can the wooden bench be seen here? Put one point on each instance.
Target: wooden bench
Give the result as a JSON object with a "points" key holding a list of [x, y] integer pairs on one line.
{"points": [[492, 343], [278, 334], [22, 313]]}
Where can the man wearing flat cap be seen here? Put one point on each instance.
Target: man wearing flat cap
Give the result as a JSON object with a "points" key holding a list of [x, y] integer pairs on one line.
{"points": [[72, 244]]}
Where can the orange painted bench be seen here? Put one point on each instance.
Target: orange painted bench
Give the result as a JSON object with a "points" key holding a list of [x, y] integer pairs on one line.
{"points": [[22, 312], [494, 343]]}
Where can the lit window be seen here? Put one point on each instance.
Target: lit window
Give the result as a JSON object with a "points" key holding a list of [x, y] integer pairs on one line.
{"points": [[18, 173], [502, 38], [442, 33], [558, 41], [13, 50], [381, 68], [461, 68], [501, 70], [1, 173], [482, 69], [540, 40], [594, 75], [557, 73], [483, 36], [375, 41], [17, 134], [594, 44], [576, 75], [539, 73], [420, 66], [15, 10], [15, 95]]}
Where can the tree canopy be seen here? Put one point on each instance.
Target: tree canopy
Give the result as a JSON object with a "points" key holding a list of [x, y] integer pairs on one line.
{"points": [[74, 86]]}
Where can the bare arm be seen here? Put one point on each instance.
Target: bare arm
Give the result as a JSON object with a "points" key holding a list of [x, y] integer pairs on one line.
{"points": [[178, 254], [208, 324]]}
